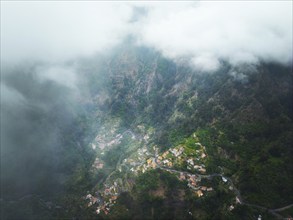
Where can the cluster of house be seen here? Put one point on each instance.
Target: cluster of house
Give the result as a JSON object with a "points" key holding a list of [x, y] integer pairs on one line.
{"points": [[142, 168], [104, 200], [146, 133], [143, 161], [101, 205], [193, 183], [237, 201], [98, 164], [143, 152], [151, 163], [176, 155], [191, 165], [106, 206], [177, 152], [166, 162], [92, 199], [165, 158]]}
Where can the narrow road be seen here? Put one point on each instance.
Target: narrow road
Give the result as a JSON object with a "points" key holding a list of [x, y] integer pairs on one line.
{"points": [[283, 208], [235, 190]]}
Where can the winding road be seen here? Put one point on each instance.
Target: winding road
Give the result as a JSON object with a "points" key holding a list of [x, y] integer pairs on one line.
{"points": [[230, 182], [204, 176]]}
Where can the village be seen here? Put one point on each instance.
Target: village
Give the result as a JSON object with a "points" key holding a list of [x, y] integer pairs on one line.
{"points": [[186, 162]]}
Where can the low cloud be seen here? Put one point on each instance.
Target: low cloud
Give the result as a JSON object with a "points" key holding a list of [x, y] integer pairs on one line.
{"points": [[58, 31], [64, 75], [205, 32], [208, 32], [38, 108], [239, 76]]}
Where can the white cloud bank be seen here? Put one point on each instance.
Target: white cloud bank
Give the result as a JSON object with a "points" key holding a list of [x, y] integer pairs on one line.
{"points": [[236, 31], [204, 32], [57, 31]]}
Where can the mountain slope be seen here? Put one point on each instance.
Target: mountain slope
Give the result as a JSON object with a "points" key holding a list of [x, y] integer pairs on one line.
{"points": [[134, 106], [243, 115]]}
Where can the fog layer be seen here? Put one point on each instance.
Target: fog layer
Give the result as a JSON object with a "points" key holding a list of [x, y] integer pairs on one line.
{"points": [[203, 32]]}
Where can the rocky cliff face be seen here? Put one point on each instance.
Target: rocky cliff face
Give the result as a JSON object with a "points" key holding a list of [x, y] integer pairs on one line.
{"points": [[143, 87]]}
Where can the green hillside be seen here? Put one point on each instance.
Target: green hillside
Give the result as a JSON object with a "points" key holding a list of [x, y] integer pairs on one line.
{"points": [[135, 105]]}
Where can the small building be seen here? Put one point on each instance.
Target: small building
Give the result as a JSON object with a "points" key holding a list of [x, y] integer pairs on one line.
{"points": [[224, 179], [202, 170], [89, 196], [182, 176], [199, 193], [165, 161], [94, 146], [197, 166], [231, 208], [164, 155], [238, 200], [149, 161], [190, 161]]}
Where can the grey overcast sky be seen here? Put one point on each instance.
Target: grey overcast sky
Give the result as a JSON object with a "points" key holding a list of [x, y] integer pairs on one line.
{"points": [[203, 32]]}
